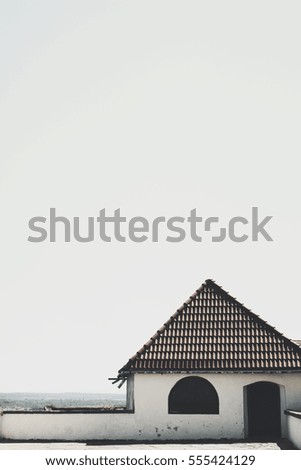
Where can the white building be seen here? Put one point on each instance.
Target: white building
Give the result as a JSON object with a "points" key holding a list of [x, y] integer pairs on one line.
{"points": [[214, 370]]}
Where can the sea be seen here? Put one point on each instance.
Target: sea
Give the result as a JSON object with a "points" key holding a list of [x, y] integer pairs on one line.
{"points": [[40, 401]]}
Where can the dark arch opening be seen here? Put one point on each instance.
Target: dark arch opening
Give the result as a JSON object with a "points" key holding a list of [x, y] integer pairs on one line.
{"points": [[263, 406], [193, 395]]}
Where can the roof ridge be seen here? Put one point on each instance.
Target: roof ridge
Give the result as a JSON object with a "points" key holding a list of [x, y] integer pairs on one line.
{"points": [[254, 315]]}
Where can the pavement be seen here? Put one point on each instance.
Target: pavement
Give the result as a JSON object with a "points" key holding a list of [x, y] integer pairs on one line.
{"points": [[283, 444]]}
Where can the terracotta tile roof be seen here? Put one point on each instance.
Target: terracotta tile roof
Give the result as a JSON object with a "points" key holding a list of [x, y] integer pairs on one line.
{"points": [[212, 331]]}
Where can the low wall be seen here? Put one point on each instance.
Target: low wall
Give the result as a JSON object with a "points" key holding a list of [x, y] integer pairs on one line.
{"points": [[294, 427], [110, 426], [66, 426]]}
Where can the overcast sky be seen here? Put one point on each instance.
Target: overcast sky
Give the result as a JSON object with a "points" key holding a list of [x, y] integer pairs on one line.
{"points": [[154, 107]]}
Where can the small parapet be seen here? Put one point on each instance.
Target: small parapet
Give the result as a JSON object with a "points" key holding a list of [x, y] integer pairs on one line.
{"points": [[294, 427]]}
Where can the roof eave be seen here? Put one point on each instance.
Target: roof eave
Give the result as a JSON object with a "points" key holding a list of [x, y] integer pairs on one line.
{"points": [[208, 371]]}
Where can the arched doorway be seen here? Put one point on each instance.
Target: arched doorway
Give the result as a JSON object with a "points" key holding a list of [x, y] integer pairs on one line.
{"points": [[263, 410], [193, 395]]}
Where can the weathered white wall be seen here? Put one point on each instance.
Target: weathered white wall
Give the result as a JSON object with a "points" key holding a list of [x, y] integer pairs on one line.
{"points": [[294, 430], [67, 427], [151, 420], [151, 402]]}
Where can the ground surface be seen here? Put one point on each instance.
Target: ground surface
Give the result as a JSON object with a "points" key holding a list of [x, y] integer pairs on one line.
{"points": [[280, 445]]}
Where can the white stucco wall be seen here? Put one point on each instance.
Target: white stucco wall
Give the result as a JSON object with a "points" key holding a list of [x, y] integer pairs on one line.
{"points": [[67, 427], [151, 420], [151, 402], [294, 430]]}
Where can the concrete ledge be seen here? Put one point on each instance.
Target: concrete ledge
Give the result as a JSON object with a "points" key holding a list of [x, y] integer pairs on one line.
{"points": [[295, 414], [66, 411]]}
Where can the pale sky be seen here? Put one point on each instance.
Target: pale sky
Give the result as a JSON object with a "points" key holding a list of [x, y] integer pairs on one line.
{"points": [[155, 107]]}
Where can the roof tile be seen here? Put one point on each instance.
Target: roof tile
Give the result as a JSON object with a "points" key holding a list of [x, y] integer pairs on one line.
{"points": [[212, 331]]}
